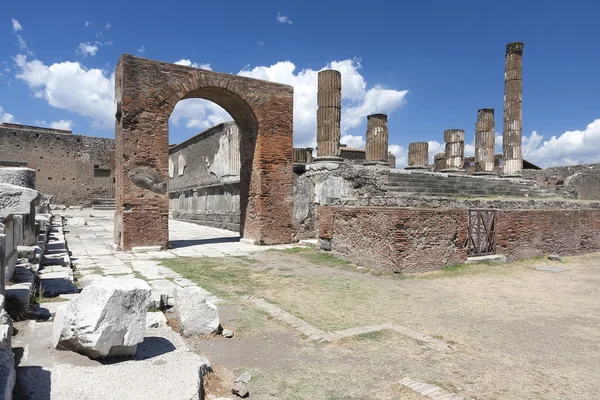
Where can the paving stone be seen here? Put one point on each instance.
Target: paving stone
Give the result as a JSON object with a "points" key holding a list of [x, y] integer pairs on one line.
{"points": [[551, 269]]}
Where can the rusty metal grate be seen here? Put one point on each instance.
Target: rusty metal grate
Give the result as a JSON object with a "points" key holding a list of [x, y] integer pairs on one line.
{"points": [[481, 240]]}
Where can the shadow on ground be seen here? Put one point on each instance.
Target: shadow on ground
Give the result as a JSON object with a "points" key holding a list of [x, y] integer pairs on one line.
{"points": [[178, 244]]}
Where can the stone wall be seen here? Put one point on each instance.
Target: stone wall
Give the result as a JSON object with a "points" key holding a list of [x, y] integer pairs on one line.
{"points": [[204, 178], [409, 240], [574, 181], [73, 169], [329, 183], [532, 233], [395, 240]]}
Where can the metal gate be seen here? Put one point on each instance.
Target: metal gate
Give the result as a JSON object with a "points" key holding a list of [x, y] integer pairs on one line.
{"points": [[481, 240]]}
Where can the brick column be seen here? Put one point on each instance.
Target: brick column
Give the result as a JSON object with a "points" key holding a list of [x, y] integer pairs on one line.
{"points": [[484, 142], [377, 140], [418, 155], [329, 114], [513, 111], [455, 150]]}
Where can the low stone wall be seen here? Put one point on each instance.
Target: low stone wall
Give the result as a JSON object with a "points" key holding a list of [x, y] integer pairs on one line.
{"points": [[395, 240], [532, 233], [407, 240]]}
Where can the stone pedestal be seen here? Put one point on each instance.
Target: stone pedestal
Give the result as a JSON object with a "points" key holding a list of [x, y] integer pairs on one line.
{"points": [[484, 142], [439, 162], [329, 114], [376, 149], [455, 150], [418, 155], [513, 111]]}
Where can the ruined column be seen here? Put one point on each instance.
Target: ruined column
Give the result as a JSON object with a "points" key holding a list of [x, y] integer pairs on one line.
{"points": [[513, 111], [329, 114], [484, 142], [418, 155], [455, 150], [377, 140]]}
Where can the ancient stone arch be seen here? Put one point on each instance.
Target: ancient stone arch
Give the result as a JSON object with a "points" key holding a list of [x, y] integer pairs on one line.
{"points": [[146, 92]]}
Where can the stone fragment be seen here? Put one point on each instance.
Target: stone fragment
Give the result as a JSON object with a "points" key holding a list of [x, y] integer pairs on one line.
{"points": [[197, 315], [244, 378], [148, 179], [156, 320], [228, 333], [108, 318], [554, 257], [240, 390]]}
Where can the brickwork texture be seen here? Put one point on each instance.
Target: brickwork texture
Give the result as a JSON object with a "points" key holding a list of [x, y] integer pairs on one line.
{"points": [[146, 93]]}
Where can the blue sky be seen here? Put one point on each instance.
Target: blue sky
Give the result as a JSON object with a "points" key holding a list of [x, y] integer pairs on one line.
{"points": [[429, 64]]}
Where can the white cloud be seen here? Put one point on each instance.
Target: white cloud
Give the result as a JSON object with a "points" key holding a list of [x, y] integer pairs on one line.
{"points": [[70, 86], [66, 125], [571, 147], [88, 23], [435, 147], [6, 117], [357, 142], [283, 19], [357, 100], [401, 155], [107, 26], [198, 114], [188, 63], [141, 50], [16, 25], [87, 49]]}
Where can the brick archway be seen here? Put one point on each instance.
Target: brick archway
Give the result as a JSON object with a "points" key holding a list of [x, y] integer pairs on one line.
{"points": [[146, 92]]}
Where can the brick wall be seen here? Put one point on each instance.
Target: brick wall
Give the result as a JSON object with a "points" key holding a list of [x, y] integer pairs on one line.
{"points": [[74, 169], [532, 233], [405, 240], [396, 239]]}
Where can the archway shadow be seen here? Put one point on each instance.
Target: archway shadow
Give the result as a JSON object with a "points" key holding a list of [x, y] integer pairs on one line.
{"points": [[178, 244]]}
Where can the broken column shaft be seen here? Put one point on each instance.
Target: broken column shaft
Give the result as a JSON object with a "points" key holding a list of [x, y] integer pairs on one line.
{"points": [[418, 155], [513, 111], [484, 142], [377, 140], [455, 150], [329, 114]]}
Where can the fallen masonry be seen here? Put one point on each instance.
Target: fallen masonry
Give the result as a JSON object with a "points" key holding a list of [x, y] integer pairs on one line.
{"points": [[108, 318]]}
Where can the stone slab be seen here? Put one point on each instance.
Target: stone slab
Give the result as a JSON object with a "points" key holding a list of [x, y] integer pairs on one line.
{"points": [[551, 269], [496, 258]]}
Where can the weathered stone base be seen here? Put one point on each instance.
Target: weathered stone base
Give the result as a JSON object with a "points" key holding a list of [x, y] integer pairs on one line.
{"points": [[328, 159]]}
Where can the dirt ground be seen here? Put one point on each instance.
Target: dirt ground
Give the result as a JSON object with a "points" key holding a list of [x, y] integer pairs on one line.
{"points": [[516, 332]]}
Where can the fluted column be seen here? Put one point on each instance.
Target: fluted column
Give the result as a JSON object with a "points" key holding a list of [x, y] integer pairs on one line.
{"points": [[418, 155], [455, 150], [513, 111], [484, 142], [377, 140], [329, 114]]}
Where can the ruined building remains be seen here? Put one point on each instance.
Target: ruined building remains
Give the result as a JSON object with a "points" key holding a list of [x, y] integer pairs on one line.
{"points": [[74, 169], [329, 115], [484, 142], [377, 140], [513, 110], [204, 178], [263, 112]]}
